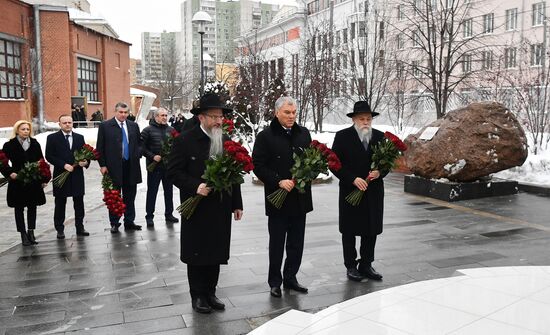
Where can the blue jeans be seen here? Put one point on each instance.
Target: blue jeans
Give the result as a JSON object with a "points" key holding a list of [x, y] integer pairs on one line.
{"points": [[153, 181]]}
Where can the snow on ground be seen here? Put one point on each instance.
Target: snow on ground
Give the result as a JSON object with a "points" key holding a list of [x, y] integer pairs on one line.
{"points": [[535, 170]]}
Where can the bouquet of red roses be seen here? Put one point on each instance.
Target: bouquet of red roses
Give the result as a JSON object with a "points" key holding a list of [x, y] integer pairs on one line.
{"points": [[164, 150], [221, 173], [4, 163], [35, 171], [384, 155], [228, 126], [315, 159], [112, 197], [87, 152]]}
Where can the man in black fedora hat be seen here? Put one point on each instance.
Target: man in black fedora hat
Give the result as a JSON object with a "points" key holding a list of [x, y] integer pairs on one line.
{"points": [[206, 235], [354, 146]]}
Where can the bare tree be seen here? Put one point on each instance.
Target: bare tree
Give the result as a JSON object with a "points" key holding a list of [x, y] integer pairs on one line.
{"points": [[444, 42]]}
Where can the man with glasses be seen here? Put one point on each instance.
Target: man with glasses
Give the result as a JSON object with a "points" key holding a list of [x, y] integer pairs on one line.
{"points": [[206, 235], [60, 148], [119, 144], [153, 138]]}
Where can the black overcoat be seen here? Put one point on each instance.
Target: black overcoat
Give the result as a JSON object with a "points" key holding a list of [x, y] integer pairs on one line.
{"points": [[206, 236], [58, 154], [273, 158], [20, 195], [367, 217], [109, 146]]}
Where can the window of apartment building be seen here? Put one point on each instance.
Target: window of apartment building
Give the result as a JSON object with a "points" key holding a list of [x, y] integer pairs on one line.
{"points": [[487, 60], [400, 69], [345, 62], [10, 70], [511, 19], [281, 68], [538, 14], [488, 23], [467, 26], [400, 42], [381, 30], [381, 58], [400, 12], [466, 63], [88, 79], [352, 31], [352, 58], [345, 35], [416, 68], [344, 87], [361, 57], [362, 29], [416, 38], [510, 57], [536, 54], [337, 39]]}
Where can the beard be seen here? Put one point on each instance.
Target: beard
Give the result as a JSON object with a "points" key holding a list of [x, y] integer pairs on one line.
{"points": [[216, 141], [365, 134]]}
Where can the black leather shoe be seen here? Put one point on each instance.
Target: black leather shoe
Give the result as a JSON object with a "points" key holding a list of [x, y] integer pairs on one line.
{"points": [[353, 274], [295, 286], [275, 292], [114, 230], [25, 239], [82, 233], [60, 235], [132, 226], [32, 239], [200, 305], [371, 273], [150, 222], [171, 219], [215, 303]]}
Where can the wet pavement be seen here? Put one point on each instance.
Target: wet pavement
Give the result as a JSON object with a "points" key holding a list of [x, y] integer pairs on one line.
{"points": [[134, 283]]}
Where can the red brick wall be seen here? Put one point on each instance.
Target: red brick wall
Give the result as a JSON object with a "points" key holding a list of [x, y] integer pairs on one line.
{"points": [[56, 67], [16, 20]]}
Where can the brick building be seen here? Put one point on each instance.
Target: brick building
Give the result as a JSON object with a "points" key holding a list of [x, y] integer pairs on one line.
{"points": [[76, 61]]}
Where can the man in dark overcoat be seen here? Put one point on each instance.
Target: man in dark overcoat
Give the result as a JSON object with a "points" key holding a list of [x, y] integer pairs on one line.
{"points": [[60, 149], [354, 146], [206, 235], [273, 158], [119, 144]]}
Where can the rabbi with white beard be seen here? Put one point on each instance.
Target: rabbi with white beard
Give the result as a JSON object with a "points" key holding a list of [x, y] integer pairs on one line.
{"points": [[206, 235], [354, 146]]}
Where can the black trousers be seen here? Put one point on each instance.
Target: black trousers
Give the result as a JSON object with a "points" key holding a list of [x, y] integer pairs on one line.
{"points": [[20, 218], [153, 182], [203, 279], [366, 251], [291, 229], [59, 213], [129, 191]]}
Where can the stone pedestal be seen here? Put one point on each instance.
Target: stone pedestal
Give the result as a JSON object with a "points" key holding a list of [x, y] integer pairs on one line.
{"points": [[456, 191]]}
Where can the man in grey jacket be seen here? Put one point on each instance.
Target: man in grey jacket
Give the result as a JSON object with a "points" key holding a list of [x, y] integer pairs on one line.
{"points": [[153, 137]]}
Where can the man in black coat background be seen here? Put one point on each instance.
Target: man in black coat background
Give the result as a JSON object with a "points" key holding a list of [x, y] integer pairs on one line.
{"points": [[152, 139], [60, 148], [273, 158], [354, 146], [119, 144], [206, 235]]}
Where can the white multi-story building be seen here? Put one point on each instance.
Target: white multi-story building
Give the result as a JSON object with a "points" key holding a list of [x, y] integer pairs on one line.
{"points": [[154, 49]]}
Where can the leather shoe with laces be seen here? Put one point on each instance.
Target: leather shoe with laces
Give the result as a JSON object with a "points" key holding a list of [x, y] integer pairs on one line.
{"points": [[82, 233], [215, 303], [132, 226], [275, 292], [295, 286], [60, 235], [353, 274], [371, 273], [114, 230], [200, 305], [171, 219], [150, 222]]}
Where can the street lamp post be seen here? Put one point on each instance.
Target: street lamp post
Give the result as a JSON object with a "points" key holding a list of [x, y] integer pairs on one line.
{"points": [[201, 18]]}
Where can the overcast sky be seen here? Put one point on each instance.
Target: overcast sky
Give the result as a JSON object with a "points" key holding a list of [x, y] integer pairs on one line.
{"points": [[130, 18]]}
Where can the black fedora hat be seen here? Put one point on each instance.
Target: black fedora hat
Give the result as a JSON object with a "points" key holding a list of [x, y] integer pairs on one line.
{"points": [[209, 101], [362, 107]]}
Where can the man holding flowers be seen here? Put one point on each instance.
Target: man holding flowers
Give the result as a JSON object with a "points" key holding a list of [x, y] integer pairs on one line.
{"points": [[273, 158], [354, 146], [206, 229], [60, 149]]}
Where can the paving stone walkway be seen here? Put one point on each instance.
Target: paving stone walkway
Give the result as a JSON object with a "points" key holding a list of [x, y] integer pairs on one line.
{"points": [[134, 283]]}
